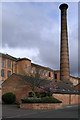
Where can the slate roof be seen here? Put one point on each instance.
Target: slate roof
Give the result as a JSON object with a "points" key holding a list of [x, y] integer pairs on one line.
{"points": [[62, 86]]}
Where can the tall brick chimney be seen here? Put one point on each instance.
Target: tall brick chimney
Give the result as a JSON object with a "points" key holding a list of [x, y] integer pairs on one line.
{"points": [[64, 53]]}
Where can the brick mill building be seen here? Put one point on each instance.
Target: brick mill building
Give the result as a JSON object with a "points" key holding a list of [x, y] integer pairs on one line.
{"points": [[24, 66]]}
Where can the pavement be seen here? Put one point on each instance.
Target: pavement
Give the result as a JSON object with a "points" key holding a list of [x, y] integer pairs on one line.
{"points": [[13, 111]]}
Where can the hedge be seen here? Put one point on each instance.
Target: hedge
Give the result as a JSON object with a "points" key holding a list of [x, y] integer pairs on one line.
{"points": [[41, 100]]}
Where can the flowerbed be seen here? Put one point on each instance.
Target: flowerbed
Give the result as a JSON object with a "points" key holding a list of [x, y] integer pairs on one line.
{"points": [[40, 100]]}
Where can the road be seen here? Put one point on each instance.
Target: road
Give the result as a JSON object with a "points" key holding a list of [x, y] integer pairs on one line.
{"points": [[13, 111]]}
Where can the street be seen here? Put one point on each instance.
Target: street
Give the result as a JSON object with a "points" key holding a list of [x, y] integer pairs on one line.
{"points": [[13, 111]]}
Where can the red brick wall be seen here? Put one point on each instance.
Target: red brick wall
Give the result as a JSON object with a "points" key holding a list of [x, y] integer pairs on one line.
{"points": [[41, 73], [58, 75], [20, 66], [12, 69], [67, 98], [74, 80], [0, 95], [18, 86], [41, 106]]}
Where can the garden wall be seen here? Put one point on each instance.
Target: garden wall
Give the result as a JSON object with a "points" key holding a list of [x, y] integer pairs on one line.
{"points": [[0, 95], [68, 99], [40, 105]]}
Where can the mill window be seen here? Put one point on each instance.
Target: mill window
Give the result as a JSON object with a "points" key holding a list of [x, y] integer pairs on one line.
{"points": [[31, 70], [9, 64], [3, 63], [55, 76], [43, 73], [8, 73], [46, 73], [52, 75], [2, 73], [39, 72], [49, 74], [25, 65]]}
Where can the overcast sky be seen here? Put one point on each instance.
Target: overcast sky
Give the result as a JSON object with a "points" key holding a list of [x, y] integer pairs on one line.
{"points": [[32, 30]]}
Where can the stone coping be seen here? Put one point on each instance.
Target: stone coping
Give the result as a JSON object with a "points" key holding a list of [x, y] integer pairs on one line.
{"points": [[70, 93], [41, 105]]}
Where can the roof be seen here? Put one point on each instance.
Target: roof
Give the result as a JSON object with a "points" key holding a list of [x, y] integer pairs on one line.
{"points": [[62, 87], [75, 77], [8, 56], [12, 58], [19, 59], [42, 67]]}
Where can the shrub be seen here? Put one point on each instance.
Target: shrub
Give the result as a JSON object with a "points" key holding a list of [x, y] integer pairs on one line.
{"points": [[41, 100], [8, 98], [31, 100], [50, 99]]}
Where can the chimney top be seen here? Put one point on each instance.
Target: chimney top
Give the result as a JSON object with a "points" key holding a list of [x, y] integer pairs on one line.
{"points": [[63, 6]]}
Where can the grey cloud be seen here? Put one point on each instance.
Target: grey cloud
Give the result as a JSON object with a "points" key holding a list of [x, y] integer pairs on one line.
{"points": [[27, 27]]}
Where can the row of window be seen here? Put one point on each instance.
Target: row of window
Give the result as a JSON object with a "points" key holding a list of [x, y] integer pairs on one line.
{"points": [[39, 71], [8, 64], [3, 73], [55, 75]]}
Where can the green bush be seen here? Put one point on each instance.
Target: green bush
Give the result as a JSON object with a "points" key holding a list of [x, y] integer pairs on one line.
{"points": [[41, 100], [50, 99], [9, 98], [31, 100]]}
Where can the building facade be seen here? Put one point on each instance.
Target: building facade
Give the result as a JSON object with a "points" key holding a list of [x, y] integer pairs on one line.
{"points": [[23, 66]]}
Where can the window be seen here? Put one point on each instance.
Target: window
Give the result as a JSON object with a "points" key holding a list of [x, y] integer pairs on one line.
{"points": [[2, 73], [49, 74], [31, 70], [8, 73], [43, 73], [35, 71], [9, 64], [2, 81], [46, 73], [25, 65], [3, 63], [55, 76], [39, 72], [52, 75]]}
